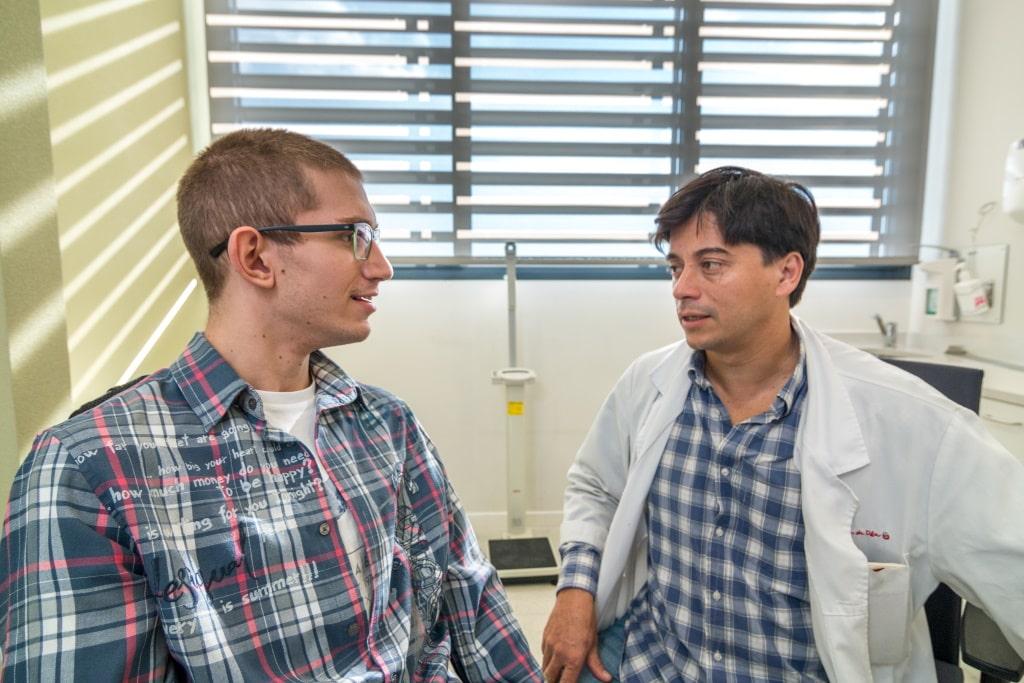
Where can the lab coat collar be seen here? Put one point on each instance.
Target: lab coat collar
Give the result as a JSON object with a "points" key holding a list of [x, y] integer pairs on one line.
{"points": [[831, 445], [829, 427], [670, 376], [672, 381]]}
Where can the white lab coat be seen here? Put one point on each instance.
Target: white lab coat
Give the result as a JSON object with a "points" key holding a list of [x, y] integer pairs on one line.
{"points": [[891, 472]]}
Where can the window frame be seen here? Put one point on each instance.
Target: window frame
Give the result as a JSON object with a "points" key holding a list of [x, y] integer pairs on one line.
{"points": [[907, 214]]}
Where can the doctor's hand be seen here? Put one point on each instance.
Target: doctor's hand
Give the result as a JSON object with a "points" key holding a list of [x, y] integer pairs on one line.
{"points": [[570, 638]]}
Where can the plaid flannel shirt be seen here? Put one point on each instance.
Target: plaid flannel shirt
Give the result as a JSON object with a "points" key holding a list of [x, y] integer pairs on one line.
{"points": [[727, 591], [170, 533], [727, 596]]}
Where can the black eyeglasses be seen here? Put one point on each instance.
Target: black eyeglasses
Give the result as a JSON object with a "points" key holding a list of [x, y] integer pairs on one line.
{"points": [[363, 236]]}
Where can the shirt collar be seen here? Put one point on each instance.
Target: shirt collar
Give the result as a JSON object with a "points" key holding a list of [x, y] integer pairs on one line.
{"points": [[211, 386], [793, 389], [698, 361], [788, 395]]}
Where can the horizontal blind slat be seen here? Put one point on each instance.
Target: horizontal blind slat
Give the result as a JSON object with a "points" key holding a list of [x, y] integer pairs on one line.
{"points": [[579, 108]]}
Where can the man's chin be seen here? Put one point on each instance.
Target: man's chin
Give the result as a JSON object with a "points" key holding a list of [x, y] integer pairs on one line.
{"points": [[352, 335], [695, 341]]}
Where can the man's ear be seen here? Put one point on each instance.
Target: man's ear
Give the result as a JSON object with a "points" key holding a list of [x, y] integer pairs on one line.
{"points": [[790, 268], [247, 252]]}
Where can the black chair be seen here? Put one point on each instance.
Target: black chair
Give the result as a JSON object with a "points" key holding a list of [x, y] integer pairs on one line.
{"points": [[974, 634], [112, 391]]}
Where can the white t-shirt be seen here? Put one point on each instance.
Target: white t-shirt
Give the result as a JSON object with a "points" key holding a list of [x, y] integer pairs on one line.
{"points": [[294, 412]]}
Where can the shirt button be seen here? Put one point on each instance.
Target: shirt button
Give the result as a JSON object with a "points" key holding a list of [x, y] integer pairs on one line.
{"points": [[719, 531], [716, 595], [251, 403], [725, 471], [718, 656], [325, 529], [353, 629]]}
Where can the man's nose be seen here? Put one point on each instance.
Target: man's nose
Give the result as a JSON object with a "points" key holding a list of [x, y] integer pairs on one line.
{"points": [[684, 286], [376, 266]]}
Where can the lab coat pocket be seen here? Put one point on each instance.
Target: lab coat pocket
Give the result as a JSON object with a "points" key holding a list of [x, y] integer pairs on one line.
{"points": [[888, 612]]}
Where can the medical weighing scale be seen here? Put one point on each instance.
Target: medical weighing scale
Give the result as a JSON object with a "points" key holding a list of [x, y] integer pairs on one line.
{"points": [[519, 556]]}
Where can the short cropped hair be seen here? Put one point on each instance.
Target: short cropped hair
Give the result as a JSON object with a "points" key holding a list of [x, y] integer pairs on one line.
{"points": [[254, 177], [778, 216]]}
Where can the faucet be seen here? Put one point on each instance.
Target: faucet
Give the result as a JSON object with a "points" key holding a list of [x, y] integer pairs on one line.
{"points": [[888, 331]]}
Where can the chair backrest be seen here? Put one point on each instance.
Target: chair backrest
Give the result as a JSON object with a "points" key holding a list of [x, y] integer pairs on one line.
{"points": [[963, 386], [112, 391], [958, 384]]}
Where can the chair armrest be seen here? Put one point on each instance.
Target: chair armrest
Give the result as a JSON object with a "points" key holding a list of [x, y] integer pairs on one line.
{"points": [[984, 646]]}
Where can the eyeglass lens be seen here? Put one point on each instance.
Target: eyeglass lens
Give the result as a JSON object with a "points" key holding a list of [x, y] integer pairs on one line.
{"points": [[362, 241]]}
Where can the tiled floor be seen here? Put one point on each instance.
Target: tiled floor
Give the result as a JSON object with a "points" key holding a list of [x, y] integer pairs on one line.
{"points": [[532, 604]]}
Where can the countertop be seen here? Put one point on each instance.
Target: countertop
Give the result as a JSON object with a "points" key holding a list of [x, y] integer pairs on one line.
{"points": [[1000, 382]]}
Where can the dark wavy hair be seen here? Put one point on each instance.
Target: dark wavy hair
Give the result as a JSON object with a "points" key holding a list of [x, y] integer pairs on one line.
{"points": [[778, 216]]}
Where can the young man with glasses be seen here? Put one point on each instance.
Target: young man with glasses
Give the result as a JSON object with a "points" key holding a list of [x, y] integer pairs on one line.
{"points": [[252, 512], [764, 503]]}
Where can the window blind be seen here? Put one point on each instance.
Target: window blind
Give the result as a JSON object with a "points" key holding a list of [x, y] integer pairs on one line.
{"points": [[563, 126]]}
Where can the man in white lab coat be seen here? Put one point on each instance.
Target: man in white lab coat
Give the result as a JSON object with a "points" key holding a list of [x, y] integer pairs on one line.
{"points": [[762, 502]]}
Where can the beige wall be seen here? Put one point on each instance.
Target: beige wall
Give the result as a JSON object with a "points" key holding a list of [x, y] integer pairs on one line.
{"points": [[8, 420], [120, 140], [34, 365], [97, 286]]}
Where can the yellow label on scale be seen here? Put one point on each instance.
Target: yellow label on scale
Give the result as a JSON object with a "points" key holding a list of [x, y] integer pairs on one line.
{"points": [[515, 407]]}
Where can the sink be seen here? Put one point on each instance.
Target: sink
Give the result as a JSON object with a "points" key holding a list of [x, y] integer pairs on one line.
{"points": [[907, 346], [895, 352]]}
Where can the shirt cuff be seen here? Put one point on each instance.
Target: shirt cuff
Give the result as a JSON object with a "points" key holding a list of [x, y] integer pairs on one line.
{"points": [[580, 565]]}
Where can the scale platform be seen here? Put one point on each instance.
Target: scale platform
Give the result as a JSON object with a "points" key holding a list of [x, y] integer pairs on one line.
{"points": [[523, 560]]}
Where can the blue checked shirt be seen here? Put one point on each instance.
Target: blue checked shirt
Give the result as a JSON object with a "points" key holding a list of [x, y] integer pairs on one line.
{"points": [[727, 596], [170, 534]]}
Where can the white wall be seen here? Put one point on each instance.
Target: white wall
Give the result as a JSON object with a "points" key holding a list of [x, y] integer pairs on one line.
{"points": [[988, 113], [435, 343]]}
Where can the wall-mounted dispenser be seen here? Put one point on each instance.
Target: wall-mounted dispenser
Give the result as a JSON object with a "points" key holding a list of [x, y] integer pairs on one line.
{"points": [[970, 289], [988, 263], [939, 277], [972, 294]]}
